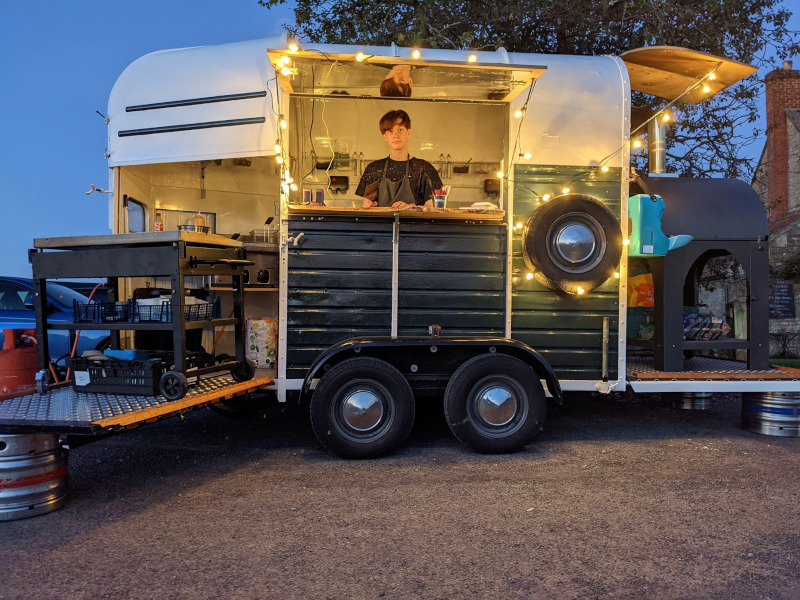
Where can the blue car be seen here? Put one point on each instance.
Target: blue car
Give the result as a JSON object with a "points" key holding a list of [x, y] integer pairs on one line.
{"points": [[16, 312]]}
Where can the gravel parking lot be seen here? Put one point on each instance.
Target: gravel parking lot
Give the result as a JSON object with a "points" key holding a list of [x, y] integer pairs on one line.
{"points": [[620, 497]]}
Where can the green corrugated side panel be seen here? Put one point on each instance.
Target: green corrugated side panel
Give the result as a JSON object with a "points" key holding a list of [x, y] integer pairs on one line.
{"points": [[450, 274], [340, 278], [565, 329]]}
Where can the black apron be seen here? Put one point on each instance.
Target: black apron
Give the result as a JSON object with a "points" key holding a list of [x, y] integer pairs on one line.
{"points": [[390, 191]]}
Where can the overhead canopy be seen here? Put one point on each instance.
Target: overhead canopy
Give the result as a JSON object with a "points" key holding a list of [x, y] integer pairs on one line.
{"points": [[669, 71], [440, 75]]}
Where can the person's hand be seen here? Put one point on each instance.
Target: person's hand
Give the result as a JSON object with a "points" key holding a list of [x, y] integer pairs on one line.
{"points": [[367, 203], [400, 204]]}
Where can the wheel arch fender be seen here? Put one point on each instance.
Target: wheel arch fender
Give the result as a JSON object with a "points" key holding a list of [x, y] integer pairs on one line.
{"points": [[365, 346]]}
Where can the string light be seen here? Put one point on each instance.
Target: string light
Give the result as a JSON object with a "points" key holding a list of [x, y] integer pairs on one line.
{"points": [[286, 60], [472, 58], [616, 275], [286, 71], [706, 89], [293, 187], [626, 242], [360, 57], [528, 275], [519, 225], [518, 114], [279, 159], [666, 117], [604, 169], [415, 53], [293, 47], [277, 147], [565, 190], [712, 76], [499, 174], [580, 291], [283, 122], [546, 197], [527, 156], [637, 143]]}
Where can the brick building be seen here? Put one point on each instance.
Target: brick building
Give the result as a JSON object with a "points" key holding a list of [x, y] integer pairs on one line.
{"points": [[777, 181]]}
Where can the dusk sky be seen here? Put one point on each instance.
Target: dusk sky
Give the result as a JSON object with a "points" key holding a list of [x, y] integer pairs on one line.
{"points": [[58, 63]]}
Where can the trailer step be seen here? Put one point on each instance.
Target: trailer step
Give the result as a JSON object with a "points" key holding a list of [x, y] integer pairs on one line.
{"points": [[65, 410], [705, 368]]}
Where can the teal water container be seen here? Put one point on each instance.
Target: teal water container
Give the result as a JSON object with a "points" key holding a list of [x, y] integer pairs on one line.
{"points": [[646, 237]]}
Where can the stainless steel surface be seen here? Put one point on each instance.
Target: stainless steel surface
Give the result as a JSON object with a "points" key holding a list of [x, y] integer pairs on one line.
{"points": [[33, 475], [362, 410], [772, 413], [691, 400], [133, 239]]}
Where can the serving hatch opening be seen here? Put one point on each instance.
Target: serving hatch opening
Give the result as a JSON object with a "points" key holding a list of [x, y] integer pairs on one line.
{"points": [[313, 73]]}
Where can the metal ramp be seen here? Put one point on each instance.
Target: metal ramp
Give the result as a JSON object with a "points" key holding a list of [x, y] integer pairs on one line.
{"points": [[65, 410]]}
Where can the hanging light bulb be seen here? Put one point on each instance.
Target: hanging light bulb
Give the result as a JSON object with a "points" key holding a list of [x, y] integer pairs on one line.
{"points": [[518, 114], [706, 89], [285, 188], [277, 147], [580, 291], [283, 122], [286, 60], [519, 225], [293, 47], [415, 53], [293, 187], [472, 58], [527, 156], [546, 197], [604, 169], [637, 143], [711, 76], [499, 174], [286, 71], [616, 274], [360, 57], [565, 190], [626, 242], [528, 275], [279, 159], [666, 117]]}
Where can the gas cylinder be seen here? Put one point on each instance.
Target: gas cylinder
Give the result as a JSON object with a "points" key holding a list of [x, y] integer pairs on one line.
{"points": [[18, 361]]}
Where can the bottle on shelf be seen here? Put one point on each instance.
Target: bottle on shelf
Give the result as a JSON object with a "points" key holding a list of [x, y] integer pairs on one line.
{"points": [[158, 223]]}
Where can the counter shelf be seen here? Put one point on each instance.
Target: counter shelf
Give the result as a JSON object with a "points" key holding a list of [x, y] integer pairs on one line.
{"points": [[172, 254]]}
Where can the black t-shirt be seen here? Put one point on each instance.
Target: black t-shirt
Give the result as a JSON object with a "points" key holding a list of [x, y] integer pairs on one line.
{"points": [[423, 176]]}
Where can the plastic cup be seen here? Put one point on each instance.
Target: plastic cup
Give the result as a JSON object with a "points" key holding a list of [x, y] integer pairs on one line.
{"points": [[439, 201]]}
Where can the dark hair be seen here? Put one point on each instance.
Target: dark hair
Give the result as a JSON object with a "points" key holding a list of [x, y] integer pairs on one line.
{"points": [[391, 118], [392, 88]]}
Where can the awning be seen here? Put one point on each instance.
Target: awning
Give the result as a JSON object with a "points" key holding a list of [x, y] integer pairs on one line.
{"points": [[669, 71]]}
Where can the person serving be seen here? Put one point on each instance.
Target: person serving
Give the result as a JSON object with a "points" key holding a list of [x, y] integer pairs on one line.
{"points": [[398, 180]]}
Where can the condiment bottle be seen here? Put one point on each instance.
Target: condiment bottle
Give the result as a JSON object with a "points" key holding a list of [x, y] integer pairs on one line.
{"points": [[158, 224], [199, 220]]}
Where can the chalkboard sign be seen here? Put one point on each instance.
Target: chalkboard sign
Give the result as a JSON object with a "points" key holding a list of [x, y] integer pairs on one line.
{"points": [[781, 301]]}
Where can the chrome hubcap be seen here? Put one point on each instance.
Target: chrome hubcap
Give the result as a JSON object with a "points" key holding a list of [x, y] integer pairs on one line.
{"points": [[496, 405], [574, 243], [362, 410]]}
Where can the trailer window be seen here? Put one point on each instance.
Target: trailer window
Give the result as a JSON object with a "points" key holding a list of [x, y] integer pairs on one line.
{"points": [[135, 215]]}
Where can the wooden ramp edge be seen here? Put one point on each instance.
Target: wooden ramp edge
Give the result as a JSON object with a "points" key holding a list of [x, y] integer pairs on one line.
{"points": [[170, 409]]}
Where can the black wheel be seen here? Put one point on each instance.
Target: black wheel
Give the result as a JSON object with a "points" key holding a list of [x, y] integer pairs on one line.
{"points": [[362, 408], [173, 385], [243, 371], [571, 243], [494, 403], [42, 382]]}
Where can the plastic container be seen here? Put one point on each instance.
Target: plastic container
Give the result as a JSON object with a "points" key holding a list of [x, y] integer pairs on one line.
{"points": [[140, 377], [102, 312]]}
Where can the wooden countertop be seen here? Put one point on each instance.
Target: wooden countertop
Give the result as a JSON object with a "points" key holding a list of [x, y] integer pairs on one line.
{"points": [[459, 214]]}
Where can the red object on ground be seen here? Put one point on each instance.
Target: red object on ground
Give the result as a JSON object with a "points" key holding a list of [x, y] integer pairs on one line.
{"points": [[18, 361]]}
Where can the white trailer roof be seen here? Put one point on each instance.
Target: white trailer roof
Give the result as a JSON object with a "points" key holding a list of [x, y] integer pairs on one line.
{"points": [[194, 104]]}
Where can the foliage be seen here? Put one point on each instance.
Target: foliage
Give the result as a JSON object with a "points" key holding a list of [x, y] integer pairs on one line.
{"points": [[791, 268], [710, 139]]}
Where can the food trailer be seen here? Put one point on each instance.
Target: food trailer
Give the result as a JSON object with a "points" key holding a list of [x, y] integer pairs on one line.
{"points": [[513, 291]]}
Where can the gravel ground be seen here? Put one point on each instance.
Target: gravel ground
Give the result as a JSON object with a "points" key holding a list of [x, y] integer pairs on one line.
{"points": [[620, 497]]}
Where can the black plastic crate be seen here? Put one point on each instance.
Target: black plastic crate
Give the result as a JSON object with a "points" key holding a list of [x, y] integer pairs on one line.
{"points": [[162, 312], [117, 376], [102, 312]]}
